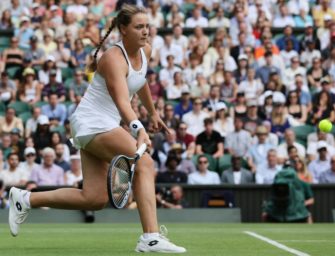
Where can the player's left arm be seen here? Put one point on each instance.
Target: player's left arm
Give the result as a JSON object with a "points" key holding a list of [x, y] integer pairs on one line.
{"points": [[146, 99]]}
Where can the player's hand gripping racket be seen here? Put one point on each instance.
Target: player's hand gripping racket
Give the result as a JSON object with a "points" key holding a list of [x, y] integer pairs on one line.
{"points": [[120, 177]]}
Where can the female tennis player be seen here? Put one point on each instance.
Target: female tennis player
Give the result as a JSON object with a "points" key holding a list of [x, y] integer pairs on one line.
{"points": [[119, 74]]}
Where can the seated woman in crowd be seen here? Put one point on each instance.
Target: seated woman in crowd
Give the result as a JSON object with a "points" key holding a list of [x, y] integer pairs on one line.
{"points": [[173, 91], [297, 111], [30, 91], [13, 56]]}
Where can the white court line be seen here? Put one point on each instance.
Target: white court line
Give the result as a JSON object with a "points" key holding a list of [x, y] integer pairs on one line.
{"points": [[276, 244]]}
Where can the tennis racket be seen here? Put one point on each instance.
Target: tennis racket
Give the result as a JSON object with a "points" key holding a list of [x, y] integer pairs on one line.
{"points": [[120, 177]]}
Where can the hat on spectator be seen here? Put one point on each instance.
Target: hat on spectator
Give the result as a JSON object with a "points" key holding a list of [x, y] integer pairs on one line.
{"points": [[308, 25], [15, 131], [54, 8], [150, 71], [252, 103], [327, 17], [75, 157], [177, 147], [50, 58], [220, 106], [28, 71], [242, 57], [24, 19], [261, 130], [29, 150], [185, 90], [321, 144], [278, 98], [35, 5], [43, 120], [325, 80], [273, 71], [53, 72], [33, 38]]}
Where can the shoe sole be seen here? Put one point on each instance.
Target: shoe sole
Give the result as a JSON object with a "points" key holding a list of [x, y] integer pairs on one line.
{"points": [[11, 205]]}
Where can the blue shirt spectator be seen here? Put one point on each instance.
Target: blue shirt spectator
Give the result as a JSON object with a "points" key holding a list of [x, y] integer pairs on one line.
{"points": [[54, 111]]}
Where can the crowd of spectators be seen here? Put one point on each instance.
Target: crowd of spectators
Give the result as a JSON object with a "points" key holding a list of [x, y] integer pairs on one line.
{"points": [[233, 80]]}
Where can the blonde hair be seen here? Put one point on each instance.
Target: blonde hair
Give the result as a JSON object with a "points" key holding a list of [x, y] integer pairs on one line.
{"points": [[123, 18]]}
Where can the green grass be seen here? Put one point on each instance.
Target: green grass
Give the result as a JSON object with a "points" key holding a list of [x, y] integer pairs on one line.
{"points": [[199, 239]]}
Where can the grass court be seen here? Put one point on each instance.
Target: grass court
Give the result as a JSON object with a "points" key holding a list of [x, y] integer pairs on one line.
{"points": [[199, 239]]}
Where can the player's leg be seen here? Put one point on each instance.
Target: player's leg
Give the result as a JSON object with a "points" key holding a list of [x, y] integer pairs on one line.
{"points": [[106, 145]]}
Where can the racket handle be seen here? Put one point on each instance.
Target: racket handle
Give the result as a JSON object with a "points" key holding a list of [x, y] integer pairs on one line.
{"points": [[141, 150]]}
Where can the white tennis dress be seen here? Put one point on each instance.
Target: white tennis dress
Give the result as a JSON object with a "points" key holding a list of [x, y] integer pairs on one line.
{"points": [[97, 112]]}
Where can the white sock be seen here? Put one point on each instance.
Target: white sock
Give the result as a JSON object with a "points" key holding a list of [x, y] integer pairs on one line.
{"points": [[26, 199], [150, 235]]}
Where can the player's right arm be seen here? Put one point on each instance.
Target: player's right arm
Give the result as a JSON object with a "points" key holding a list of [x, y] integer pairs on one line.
{"points": [[114, 68]]}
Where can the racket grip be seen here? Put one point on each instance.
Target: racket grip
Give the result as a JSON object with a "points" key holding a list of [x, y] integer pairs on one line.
{"points": [[141, 150]]}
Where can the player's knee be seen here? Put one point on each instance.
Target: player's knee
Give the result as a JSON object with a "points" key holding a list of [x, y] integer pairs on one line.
{"points": [[146, 165], [96, 203]]}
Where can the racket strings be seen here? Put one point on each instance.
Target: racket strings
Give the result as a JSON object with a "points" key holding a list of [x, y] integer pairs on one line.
{"points": [[120, 181]]}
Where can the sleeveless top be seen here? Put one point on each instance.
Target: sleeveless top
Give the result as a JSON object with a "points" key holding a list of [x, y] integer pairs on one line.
{"points": [[97, 111]]}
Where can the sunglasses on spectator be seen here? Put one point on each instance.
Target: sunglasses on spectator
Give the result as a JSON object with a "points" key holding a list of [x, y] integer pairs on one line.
{"points": [[30, 154], [203, 162]]}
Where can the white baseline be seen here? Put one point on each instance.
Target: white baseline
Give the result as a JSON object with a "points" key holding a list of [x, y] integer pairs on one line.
{"points": [[276, 244]]}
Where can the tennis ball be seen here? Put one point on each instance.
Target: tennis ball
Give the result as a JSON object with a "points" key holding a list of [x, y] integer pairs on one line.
{"points": [[325, 125]]}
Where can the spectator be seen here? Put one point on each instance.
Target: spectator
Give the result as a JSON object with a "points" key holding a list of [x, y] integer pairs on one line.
{"points": [[321, 11], [30, 157], [179, 38], [90, 34], [302, 171], [236, 174], [297, 111], [6, 20], [74, 175], [53, 87], [279, 118], [6, 145], [156, 88], [289, 138], [13, 56], [10, 121], [59, 160], [55, 111], [228, 89], [48, 174], [174, 89], [284, 18], [185, 139], [166, 74], [211, 104], [200, 87], [315, 74], [171, 175], [252, 119], [241, 72], [238, 142], [195, 118], [309, 53], [288, 35], [72, 107], [62, 54], [17, 144], [30, 88], [48, 45], [197, 19], [223, 123], [69, 24], [24, 32], [219, 20], [312, 142], [291, 72], [4, 203], [257, 153], [328, 176], [266, 172], [42, 136], [79, 56], [185, 165], [169, 118], [264, 71], [78, 86], [31, 124], [14, 175], [309, 35], [48, 67], [7, 89], [209, 141], [321, 164], [203, 176], [78, 10], [304, 96], [170, 49], [217, 78], [176, 201], [175, 16]]}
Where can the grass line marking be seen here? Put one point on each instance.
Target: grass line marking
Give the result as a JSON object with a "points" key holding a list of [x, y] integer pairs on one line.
{"points": [[276, 244]]}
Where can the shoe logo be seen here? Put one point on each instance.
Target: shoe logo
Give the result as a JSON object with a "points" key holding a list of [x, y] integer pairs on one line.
{"points": [[153, 242], [18, 206]]}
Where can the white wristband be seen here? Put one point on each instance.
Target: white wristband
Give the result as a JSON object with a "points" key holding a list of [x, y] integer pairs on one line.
{"points": [[135, 126]]}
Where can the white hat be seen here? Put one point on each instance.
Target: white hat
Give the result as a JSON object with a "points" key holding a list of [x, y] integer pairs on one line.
{"points": [[42, 120], [35, 5], [322, 144], [252, 102], [327, 17], [278, 97], [308, 24], [242, 57], [185, 90], [54, 8], [220, 105], [50, 58], [29, 150], [24, 18]]}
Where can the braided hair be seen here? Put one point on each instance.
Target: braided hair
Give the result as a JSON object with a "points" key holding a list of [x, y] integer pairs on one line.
{"points": [[123, 18]]}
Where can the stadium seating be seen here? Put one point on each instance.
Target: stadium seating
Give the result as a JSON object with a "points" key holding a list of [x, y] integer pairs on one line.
{"points": [[20, 107]]}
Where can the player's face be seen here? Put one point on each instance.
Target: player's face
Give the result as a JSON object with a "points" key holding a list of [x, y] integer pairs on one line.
{"points": [[138, 30]]}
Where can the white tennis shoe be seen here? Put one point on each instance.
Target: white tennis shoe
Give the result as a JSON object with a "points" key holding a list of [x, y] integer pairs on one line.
{"points": [[158, 244], [18, 210]]}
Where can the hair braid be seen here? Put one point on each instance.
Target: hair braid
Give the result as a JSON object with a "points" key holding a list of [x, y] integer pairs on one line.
{"points": [[93, 65]]}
